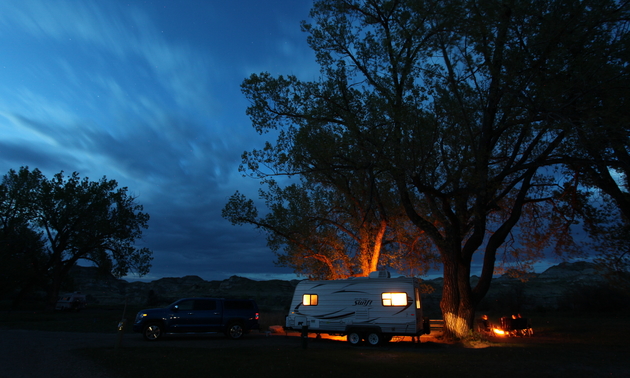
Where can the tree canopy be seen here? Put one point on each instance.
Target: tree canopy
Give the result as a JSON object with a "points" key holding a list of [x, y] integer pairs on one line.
{"points": [[472, 113], [332, 232], [50, 224]]}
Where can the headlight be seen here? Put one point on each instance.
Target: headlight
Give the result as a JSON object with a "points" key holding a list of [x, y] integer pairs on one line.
{"points": [[140, 316]]}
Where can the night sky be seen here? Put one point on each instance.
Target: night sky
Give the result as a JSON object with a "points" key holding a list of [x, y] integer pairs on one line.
{"points": [[148, 93]]}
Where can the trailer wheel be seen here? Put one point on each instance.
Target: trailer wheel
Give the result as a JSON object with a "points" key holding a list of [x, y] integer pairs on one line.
{"points": [[374, 338], [354, 338]]}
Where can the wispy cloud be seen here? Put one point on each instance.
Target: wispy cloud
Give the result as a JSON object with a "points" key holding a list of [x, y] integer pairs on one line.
{"points": [[105, 89], [119, 37]]}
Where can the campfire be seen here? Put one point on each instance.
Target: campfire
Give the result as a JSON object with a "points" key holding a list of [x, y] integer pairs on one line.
{"points": [[509, 327]]}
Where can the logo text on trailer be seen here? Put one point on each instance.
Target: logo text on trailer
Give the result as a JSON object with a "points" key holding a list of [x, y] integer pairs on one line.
{"points": [[362, 302]]}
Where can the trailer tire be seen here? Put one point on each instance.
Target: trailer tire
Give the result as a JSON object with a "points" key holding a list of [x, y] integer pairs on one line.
{"points": [[374, 338], [354, 338]]}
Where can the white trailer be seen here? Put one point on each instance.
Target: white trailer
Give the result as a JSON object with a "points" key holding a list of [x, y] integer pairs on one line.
{"points": [[373, 308]]}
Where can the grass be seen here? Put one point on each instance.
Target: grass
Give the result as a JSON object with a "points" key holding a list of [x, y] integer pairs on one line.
{"points": [[563, 345]]}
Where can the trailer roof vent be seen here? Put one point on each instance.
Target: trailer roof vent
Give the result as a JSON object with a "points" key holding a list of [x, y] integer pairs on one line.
{"points": [[380, 274]]}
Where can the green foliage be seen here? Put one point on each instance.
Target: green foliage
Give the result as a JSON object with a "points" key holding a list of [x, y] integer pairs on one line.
{"points": [[66, 219]]}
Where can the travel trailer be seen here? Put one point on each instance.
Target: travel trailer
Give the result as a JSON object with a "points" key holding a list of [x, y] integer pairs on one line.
{"points": [[374, 308]]}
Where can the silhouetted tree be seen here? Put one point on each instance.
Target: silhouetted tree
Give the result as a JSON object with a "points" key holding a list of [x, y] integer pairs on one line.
{"points": [[332, 231], [75, 219], [467, 108]]}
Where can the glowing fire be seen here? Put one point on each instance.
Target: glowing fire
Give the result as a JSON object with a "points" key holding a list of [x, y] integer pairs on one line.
{"points": [[499, 332]]}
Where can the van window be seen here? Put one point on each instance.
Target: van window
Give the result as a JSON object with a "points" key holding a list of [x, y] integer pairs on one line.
{"points": [[238, 305], [187, 305], [394, 299], [205, 305], [309, 299]]}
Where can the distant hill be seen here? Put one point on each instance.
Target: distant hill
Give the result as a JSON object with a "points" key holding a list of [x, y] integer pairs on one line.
{"points": [[535, 291], [106, 289]]}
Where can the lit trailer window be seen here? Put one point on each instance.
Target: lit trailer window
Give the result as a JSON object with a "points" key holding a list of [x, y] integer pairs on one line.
{"points": [[394, 299], [309, 299]]}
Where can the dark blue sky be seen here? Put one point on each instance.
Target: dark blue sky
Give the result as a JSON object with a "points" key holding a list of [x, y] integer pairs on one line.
{"points": [[148, 93]]}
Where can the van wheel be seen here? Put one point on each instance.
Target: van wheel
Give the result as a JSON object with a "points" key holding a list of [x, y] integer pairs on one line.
{"points": [[354, 338], [152, 331], [374, 338], [234, 330]]}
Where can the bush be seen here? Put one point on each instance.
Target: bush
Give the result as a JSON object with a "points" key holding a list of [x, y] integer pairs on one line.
{"points": [[594, 298], [512, 300]]}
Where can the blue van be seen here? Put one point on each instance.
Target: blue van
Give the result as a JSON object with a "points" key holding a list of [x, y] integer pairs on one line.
{"points": [[234, 317]]}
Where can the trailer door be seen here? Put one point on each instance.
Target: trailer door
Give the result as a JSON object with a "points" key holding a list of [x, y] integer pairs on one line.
{"points": [[419, 318]]}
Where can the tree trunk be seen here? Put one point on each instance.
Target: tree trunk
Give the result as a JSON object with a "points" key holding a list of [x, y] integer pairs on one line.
{"points": [[53, 292], [458, 309], [59, 274], [376, 255], [26, 289]]}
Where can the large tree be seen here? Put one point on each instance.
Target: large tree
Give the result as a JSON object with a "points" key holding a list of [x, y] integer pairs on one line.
{"points": [[75, 219], [331, 233], [466, 106], [341, 220], [21, 248], [600, 156]]}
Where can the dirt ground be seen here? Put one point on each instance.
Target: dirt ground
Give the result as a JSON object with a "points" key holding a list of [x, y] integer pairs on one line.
{"points": [[48, 354], [27, 353]]}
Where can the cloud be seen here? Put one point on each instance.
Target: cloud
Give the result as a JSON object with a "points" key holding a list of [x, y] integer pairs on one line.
{"points": [[181, 189], [114, 39], [111, 89], [168, 151], [17, 155]]}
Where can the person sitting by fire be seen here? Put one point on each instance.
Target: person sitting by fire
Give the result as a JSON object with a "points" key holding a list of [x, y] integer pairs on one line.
{"points": [[521, 326], [484, 326]]}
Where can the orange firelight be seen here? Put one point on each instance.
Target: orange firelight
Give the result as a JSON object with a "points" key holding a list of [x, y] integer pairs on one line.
{"points": [[499, 332]]}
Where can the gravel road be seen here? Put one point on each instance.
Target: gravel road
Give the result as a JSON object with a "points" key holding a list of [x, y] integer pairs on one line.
{"points": [[53, 354], [49, 354], [27, 353]]}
